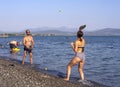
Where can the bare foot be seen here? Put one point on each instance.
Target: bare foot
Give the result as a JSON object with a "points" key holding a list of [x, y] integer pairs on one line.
{"points": [[66, 79], [22, 63]]}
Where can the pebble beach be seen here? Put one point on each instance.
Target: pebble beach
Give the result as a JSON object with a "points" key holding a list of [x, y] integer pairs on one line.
{"points": [[13, 74]]}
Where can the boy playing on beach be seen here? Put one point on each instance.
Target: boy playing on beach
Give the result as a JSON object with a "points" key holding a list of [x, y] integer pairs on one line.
{"points": [[13, 44], [28, 43]]}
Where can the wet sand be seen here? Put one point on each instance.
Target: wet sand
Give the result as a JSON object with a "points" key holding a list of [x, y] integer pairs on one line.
{"points": [[13, 74]]}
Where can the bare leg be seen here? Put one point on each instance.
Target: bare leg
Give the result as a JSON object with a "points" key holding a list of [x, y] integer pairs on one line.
{"points": [[80, 69], [24, 57], [71, 63], [68, 72], [31, 61]]}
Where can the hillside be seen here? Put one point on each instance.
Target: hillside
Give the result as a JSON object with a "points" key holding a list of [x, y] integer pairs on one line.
{"points": [[70, 32], [104, 32], [55, 32], [101, 32]]}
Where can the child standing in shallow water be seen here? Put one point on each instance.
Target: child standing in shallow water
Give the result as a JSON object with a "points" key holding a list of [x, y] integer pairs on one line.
{"points": [[78, 48]]}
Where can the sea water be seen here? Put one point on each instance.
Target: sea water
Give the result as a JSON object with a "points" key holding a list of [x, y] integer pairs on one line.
{"points": [[53, 53]]}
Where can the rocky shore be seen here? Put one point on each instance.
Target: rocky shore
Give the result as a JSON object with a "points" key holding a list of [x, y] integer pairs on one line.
{"points": [[13, 74]]}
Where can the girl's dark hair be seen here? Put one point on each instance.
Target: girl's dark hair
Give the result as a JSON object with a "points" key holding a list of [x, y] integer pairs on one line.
{"points": [[80, 34], [82, 27]]}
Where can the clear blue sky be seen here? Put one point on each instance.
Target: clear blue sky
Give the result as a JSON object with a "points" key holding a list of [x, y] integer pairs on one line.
{"points": [[17, 15]]}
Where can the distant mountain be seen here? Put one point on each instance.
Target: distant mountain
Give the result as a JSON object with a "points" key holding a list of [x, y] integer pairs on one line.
{"points": [[72, 31], [104, 32], [68, 31], [54, 28], [54, 32]]}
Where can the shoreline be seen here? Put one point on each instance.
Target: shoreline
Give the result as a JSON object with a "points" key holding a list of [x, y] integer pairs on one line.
{"points": [[13, 74]]}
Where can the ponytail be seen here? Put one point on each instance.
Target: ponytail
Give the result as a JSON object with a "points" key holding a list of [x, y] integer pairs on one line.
{"points": [[80, 33]]}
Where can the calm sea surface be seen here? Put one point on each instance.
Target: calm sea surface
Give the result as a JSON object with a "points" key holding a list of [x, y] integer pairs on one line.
{"points": [[102, 56]]}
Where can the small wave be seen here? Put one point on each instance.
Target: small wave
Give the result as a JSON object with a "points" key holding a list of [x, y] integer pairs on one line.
{"points": [[86, 82]]}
